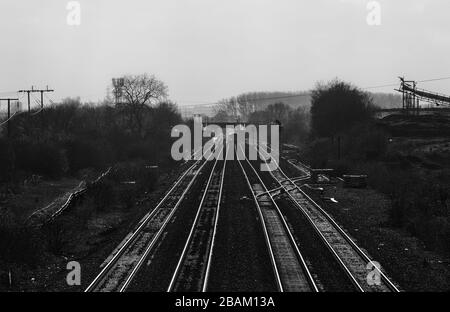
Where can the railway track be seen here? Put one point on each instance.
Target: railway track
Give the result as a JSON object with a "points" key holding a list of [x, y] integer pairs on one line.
{"points": [[193, 267], [351, 258], [289, 267], [120, 270], [240, 262]]}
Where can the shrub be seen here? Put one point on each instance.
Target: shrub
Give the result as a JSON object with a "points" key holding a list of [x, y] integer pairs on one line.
{"points": [[54, 233], [86, 154], [364, 142], [319, 153], [102, 194], [7, 160], [338, 106], [378, 175], [41, 158], [18, 243], [418, 207], [147, 179]]}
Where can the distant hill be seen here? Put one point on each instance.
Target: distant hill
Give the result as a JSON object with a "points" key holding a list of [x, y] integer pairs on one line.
{"points": [[260, 101], [303, 99]]}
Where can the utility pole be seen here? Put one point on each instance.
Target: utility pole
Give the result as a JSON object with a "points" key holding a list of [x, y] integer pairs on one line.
{"points": [[42, 95], [28, 93], [9, 113], [42, 104], [42, 91]]}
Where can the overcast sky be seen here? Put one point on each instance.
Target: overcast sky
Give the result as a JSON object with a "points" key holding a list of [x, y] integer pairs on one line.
{"points": [[206, 50]]}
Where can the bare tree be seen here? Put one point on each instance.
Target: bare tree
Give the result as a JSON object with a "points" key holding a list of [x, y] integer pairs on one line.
{"points": [[227, 107], [279, 111], [236, 107], [139, 93]]}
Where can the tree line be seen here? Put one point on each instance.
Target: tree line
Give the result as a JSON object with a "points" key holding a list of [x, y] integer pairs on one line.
{"points": [[69, 136], [345, 136]]}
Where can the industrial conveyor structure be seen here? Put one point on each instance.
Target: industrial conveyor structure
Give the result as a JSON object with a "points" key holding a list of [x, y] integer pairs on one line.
{"points": [[412, 95]]}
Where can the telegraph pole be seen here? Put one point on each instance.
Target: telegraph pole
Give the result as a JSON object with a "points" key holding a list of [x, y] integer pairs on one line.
{"points": [[28, 93], [42, 91], [42, 95], [9, 113], [42, 104]]}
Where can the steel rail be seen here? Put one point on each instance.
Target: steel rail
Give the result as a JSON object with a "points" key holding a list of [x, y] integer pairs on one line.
{"points": [[347, 238], [211, 250], [307, 273], [141, 225], [266, 234], [191, 233], [330, 248]]}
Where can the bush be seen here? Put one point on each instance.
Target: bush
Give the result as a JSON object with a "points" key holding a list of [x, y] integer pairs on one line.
{"points": [[7, 160], [102, 194], [439, 235], [71, 136], [319, 153], [127, 197], [365, 142], [147, 179], [18, 243], [85, 154], [418, 207], [338, 106], [141, 151], [378, 175], [296, 129], [41, 158], [54, 233]]}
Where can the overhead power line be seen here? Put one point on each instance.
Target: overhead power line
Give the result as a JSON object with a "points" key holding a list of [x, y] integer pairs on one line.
{"points": [[49, 99], [396, 84], [381, 86], [308, 93], [251, 100], [435, 79]]}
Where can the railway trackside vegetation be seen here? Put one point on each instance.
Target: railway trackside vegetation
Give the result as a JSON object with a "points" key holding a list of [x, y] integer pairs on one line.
{"points": [[404, 156], [75, 140], [412, 170]]}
